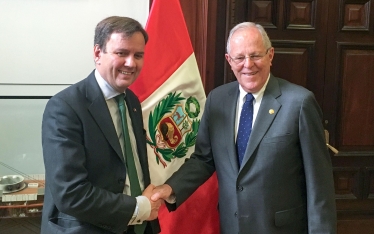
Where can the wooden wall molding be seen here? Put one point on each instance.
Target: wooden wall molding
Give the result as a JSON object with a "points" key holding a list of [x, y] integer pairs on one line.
{"points": [[355, 17]]}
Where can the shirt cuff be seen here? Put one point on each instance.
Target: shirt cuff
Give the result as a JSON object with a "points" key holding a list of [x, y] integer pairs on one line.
{"points": [[142, 210], [171, 199]]}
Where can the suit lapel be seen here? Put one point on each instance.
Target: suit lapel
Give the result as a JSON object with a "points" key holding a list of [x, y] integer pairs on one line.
{"points": [[231, 106], [265, 116], [100, 113]]}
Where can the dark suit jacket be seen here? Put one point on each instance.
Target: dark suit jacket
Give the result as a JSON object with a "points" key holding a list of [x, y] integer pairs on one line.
{"points": [[285, 183], [84, 166]]}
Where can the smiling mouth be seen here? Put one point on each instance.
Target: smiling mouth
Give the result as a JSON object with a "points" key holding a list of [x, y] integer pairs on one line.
{"points": [[250, 73], [125, 73]]}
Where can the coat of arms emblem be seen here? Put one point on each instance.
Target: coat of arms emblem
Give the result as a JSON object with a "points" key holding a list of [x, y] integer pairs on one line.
{"points": [[173, 127]]}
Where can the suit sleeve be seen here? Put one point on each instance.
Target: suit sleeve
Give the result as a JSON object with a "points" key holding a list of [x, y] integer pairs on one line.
{"points": [[318, 169], [196, 170]]}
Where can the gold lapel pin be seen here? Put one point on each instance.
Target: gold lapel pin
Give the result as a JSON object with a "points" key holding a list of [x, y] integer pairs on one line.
{"points": [[271, 111]]}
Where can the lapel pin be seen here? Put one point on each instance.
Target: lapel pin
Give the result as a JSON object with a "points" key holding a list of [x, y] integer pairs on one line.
{"points": [[134, 109], [271, 111]]}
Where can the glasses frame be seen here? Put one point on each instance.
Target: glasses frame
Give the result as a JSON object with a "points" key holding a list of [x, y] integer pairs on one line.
{"points": [[253, 57]]}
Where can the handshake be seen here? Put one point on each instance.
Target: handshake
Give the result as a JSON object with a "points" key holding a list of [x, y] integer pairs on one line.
{"points": [[157, 195]]}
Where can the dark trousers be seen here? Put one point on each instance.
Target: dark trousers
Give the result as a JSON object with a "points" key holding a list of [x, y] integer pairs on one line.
{"points": [[130, 230]]}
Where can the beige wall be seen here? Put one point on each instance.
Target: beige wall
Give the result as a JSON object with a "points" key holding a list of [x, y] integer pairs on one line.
{"points": [[51, 42]]}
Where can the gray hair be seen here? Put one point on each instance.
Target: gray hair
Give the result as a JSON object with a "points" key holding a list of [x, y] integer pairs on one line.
{"points": [[264, 35]]}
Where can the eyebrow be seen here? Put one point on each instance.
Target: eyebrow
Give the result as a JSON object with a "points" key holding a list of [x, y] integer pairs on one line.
{"points": [[126, 51]]}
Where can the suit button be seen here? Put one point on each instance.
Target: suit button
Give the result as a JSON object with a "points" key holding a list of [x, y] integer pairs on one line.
{"points": [[236, 214], [240, 188]]}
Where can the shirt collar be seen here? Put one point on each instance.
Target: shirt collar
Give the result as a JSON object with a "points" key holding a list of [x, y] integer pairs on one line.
{"points": [[256, 95], [106, 89]]}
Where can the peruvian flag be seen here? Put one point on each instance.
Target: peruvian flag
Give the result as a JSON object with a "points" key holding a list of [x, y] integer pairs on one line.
{"points": [[172, 97]]}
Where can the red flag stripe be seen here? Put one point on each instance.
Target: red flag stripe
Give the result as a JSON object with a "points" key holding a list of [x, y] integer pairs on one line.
{"points": [[170, 46]]}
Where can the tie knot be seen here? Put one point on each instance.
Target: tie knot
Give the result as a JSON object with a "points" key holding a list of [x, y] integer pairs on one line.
{"points": [[249, 97], [120, 98]]}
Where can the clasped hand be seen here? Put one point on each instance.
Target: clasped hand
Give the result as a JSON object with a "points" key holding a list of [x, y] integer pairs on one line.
{"points": [[156, 195]]}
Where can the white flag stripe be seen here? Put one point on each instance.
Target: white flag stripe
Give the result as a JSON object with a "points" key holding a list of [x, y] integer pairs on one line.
{"points": [[186, 79]]}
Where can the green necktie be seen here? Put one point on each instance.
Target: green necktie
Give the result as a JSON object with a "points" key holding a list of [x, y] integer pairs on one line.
{"points": [[129, 158]]}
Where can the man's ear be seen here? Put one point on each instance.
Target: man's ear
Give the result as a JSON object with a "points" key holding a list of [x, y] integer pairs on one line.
{"points": [[97, 54], [271, 55], [228, 58]]}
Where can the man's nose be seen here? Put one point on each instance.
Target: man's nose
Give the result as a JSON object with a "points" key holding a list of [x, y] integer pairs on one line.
{"points": [[129, 61], [248, 62]]}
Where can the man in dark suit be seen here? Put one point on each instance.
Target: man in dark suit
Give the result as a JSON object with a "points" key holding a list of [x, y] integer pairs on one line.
{"points": [[87, 186], [283, 184]]}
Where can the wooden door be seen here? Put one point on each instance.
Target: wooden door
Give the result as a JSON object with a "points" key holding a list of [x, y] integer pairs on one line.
{"points": [[328, 47], [349, 110]]}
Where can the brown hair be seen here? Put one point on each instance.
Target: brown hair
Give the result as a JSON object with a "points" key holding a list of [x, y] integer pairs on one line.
{"points": [[116, 24]]}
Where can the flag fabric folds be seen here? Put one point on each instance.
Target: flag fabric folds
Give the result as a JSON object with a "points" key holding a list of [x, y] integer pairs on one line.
{"points": [[170, 90]]}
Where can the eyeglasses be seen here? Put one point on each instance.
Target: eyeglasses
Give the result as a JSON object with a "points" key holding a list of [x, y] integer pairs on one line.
{"points": [[254, 57]]}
